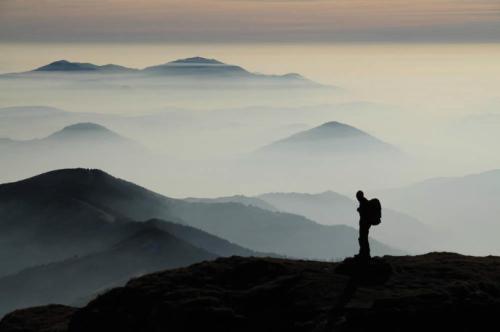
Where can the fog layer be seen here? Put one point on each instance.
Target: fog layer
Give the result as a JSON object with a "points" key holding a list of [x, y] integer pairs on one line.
{"points": [[433, 107]]}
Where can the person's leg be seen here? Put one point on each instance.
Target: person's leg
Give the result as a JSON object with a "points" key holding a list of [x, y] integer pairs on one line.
{"points": [[364, 245], [360, 239]]}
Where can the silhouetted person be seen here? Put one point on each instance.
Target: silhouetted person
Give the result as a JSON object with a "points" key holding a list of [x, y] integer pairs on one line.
{"points": [[369, 214]]}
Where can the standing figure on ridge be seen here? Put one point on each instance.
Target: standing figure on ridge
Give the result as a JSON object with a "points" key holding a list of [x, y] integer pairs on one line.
{"points": [[370, 213]]}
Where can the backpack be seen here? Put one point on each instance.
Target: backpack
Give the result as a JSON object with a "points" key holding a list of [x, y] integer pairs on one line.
{"points": [[375, 211]]}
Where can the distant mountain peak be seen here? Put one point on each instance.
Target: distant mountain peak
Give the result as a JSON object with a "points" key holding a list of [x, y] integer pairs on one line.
{"points": [[68, 66], [197, 60], [60, 63], [65, 65], [199, 66], [331, 138], [85, 126], [64, 173], [328, 130], [83, 129], [335, 125]]}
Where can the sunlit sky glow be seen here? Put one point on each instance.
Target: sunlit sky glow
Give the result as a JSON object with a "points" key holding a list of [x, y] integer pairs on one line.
{"points": [[250, 21]]}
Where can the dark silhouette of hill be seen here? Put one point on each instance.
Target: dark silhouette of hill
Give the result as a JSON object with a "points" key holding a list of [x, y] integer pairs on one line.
{"points": [[197, 60], [198, 66], [212, 68], [62, 213], [64, 226], [147, 250], [59, 214], [67, 66], [50, 318], [194, 67], [329, 139], [432, 292], [398, 229]]}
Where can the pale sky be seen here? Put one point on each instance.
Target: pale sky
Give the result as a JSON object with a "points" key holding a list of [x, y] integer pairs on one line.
{"points": [[249, 21]]}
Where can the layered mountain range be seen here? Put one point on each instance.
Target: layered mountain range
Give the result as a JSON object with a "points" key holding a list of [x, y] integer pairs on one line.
{"points": [[330, 208], [93, 231]]}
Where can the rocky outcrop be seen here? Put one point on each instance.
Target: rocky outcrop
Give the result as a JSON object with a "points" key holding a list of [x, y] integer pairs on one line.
{"points": [[433, 292], [50, 318]]}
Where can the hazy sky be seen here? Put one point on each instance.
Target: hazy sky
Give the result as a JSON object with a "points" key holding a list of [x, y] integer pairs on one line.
{"points": [[249, 20]]}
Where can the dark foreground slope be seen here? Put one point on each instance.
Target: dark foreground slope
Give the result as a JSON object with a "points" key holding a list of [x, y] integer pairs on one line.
{"points": [[433, 292], [50, 318]]}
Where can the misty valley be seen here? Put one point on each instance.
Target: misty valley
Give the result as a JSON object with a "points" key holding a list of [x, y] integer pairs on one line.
{"points": [[138, 199]]}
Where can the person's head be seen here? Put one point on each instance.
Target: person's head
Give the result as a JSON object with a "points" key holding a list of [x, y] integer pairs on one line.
{"points": [[360, 195]]}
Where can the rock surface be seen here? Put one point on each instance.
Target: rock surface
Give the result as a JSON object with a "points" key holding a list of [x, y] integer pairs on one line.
{"points": [[433, 292], [50, 318]]}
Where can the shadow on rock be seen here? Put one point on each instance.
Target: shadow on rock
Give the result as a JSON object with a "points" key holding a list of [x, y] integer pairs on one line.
{"points": [[375, 271]]}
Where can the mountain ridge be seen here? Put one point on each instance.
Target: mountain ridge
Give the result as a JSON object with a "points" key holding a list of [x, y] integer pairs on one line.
{"points": [[198, 66], [328, 207], [237, 223], [187, 67], [67, 66]]}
